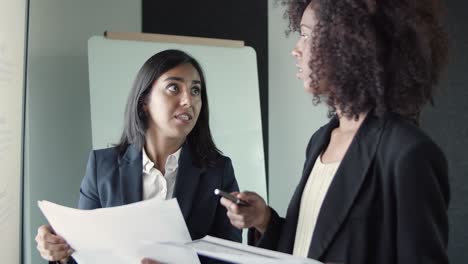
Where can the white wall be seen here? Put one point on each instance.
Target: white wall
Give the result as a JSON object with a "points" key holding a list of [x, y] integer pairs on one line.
{"points": [[292, 117], [12, 50], [58, 126]]}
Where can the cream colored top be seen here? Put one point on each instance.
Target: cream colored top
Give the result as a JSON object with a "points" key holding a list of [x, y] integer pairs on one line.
{"points": [[313, 195]]}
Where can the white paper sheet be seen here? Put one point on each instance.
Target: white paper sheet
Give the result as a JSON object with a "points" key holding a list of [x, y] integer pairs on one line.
{"points": [[123, 234], [239, 253]]}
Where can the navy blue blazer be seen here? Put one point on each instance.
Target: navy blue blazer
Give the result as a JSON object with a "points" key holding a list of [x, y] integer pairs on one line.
{"points": [[387, 203], [113, 180]]}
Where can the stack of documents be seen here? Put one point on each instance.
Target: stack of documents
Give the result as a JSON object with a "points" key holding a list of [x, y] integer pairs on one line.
{"points": [[152, 228]]}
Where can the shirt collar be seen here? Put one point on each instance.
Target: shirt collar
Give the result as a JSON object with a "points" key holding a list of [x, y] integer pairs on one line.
{"points": [[172, 161]]}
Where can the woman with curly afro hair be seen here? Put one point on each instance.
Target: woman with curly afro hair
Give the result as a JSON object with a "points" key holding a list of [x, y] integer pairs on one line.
{"points": [[374, 187]]}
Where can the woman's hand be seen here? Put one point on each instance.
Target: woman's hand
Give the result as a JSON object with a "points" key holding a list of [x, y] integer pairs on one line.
{"points": [[52, 247], [256, 214]]}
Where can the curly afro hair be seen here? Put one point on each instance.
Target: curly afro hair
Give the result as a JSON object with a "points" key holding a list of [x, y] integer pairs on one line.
{"points": [[380, 55]]}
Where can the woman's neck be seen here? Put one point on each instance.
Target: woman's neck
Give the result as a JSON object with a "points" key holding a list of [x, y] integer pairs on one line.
{"points": [[350, 125], [159, 148], [341, 138]]}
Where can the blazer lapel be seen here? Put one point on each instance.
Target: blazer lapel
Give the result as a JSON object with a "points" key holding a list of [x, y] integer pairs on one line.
{"points": [[288, 236], [346, 184], [131, 169], [188, 176]]}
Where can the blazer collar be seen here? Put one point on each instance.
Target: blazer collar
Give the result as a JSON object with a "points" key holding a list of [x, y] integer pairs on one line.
{"points": [[346, 183], [188, 176], [131, 169], [316, 145], [319, 145]]}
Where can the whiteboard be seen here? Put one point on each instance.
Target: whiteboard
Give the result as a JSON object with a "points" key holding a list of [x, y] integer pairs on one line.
{"points": [[12, 52], [233, 96]]}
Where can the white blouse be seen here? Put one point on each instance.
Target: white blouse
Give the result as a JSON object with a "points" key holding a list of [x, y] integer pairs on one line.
{"points": [[155, 184]]}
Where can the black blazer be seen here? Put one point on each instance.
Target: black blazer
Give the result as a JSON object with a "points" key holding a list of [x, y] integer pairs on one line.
{"points": [[113, 180], [386, 204]]}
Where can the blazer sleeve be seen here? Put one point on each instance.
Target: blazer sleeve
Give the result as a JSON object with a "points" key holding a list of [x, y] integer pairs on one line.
{"points": [[89, 196], [422, 193], [222, 227], [270, 238]]}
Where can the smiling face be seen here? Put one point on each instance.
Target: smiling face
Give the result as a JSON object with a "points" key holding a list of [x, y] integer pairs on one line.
{"points": [[174, 103], [303, 49]]}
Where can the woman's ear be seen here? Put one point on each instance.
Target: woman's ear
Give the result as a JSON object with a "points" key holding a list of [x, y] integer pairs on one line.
{"points": [[143, 102], [142, 107]]}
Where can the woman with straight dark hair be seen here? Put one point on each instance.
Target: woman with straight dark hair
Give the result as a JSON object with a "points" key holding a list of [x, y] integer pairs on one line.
{"points": [[166, 150], [374, 187]]}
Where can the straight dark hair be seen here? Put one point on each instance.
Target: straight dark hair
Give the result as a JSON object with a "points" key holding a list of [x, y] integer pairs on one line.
{"points": [[203, 149]]}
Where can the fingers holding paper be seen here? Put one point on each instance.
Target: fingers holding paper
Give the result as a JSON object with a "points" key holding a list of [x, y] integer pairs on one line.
{"points": [[256, 214], [51, 246]]}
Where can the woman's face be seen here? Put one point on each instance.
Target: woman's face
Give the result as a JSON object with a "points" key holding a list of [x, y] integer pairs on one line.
{"points": [[302, 50], [174, 103]]}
